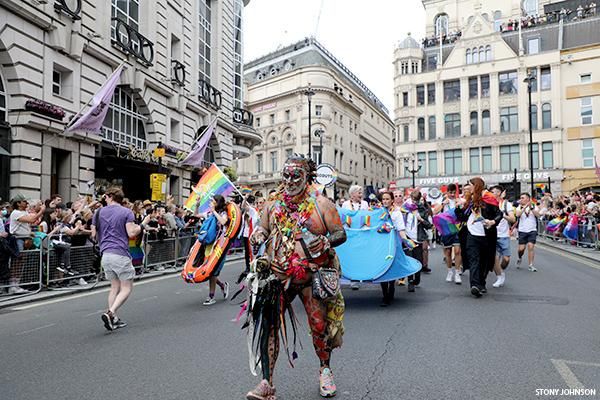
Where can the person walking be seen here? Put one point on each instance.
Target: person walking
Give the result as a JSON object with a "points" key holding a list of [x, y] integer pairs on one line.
{"points": [[503, 242], [112, 226], [412, 222], [355, 203], [451, 242], [527, 214], [218, 210]]}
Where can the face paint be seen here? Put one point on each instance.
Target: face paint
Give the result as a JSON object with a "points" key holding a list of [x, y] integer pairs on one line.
{"points": [[294, 179]]}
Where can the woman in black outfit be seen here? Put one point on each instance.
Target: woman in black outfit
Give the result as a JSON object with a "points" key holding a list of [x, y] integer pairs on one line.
{"points": [[479, 209]]}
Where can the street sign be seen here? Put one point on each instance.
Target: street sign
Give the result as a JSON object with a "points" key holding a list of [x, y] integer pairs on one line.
{"points": [[326, 175], [158, 184]]}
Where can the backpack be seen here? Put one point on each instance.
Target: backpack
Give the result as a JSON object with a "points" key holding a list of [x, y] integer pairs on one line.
{"points": [[208, 230]]}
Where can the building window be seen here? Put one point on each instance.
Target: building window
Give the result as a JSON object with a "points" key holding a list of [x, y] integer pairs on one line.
{"points": [[123, 124], [533, 46], [586, 111], [509, 119], [486, 159], [468, 56], [272, 119], [497, 20], [441, 25], [509, 157], [431, 93], [288, 114], [341, 120], [585, 78], [547, 156], [421, 128], [545, 78], [204, 40], [475, 164], [453, 162], [420, 95], [587, 152], [488, 53], [274, 167], [259, 163], [318, 110], [485, 123], [433, 170], [257, 122], [451, 91], [475, 56], [535, 155], [127, 11], [289, 153], [406, 137], [405, 99], [452, 125], [473, 87], [508, 82], [2, 103], [485, 85], [534, 81], [237, 53], [474, 122], [534, 117], [175, 131], [432, 62], [56, 82], [422, 161], [546, 116], [530, 7], [432, 128]]}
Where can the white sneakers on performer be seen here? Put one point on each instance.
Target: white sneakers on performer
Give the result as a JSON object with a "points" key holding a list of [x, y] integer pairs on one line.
{"points": [[450, 275], [532, 268], [499, 281], [457, 278]]}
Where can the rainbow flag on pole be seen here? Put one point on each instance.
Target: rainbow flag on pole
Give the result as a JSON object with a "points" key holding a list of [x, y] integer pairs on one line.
{"points": [[213, 182], [555, 224]]}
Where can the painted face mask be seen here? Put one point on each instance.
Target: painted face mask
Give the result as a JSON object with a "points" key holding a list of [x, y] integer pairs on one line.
{"points": [[294, 179]]}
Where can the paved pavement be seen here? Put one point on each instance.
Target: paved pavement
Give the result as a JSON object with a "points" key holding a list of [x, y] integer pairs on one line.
{"points": [[541, 331]]}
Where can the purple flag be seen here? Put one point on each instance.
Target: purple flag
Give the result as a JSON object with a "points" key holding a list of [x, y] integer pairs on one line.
{"points": [[92, 120], [196, 156]]}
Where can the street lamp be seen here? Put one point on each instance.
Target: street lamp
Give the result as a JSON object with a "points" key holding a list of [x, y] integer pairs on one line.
{"points": [[309, 92], [320, 133], [529, 80], [412, 170]]}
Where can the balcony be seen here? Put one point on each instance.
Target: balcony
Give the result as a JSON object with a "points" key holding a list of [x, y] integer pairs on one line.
{"points": [[209, 95], [245, 137], [130, 41], [178, 73], [73, 11]]}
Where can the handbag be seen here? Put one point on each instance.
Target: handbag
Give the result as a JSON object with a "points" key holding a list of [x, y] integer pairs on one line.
{"points": [[325, 283]]}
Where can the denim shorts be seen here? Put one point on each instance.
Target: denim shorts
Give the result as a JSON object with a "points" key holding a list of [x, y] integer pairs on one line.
{"points": [[503, 247], [450, 240], [527, 237]]}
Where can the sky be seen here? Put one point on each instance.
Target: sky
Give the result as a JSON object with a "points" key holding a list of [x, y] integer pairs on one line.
{"points": [[361, 34]]}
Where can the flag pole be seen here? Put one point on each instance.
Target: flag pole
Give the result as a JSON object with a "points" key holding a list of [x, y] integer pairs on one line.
{"points": [[204, 131], [226, 177]]}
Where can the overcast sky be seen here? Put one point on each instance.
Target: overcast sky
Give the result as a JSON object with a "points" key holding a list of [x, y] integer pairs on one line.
{"points": [[361, 34]]}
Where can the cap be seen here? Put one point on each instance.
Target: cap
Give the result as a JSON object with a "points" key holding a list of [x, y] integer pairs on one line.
{"points": [[18, 197], [147, 203]]}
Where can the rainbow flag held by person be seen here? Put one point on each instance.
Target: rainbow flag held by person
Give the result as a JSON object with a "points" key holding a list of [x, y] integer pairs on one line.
{"points": [[245, 190], [409, 243], [555, 224], [571, 231], [213, 182], [446, 223]]}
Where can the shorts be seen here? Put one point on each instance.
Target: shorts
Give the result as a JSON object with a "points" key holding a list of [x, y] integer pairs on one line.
{"points": [[527, 237], [503, 247], [450, 240], [118, 267]]}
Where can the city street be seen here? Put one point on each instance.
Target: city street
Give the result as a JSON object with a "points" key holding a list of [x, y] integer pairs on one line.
{"points": [[540, 331]]}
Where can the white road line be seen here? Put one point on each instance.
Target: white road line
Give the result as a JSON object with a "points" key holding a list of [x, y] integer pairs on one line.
{"points": [[94, 313], [567, 375], [146, 299], [34, 329], [589, 263]]}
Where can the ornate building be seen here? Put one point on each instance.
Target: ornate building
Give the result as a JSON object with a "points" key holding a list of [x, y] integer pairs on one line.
{"points": [[351, 129], [183, 63], [461, 103]]}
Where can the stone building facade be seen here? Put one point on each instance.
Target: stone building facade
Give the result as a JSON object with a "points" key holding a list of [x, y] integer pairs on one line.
{"points": [[183, 62]]}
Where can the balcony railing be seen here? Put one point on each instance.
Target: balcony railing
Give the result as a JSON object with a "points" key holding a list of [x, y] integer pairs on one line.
{"points": [[130, 41], [209, 95], [242, 116], [61, 6], [178, 73]]}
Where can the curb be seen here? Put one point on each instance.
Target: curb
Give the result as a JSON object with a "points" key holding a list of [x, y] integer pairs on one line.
{"points": [[50, 295], [544, 243]]}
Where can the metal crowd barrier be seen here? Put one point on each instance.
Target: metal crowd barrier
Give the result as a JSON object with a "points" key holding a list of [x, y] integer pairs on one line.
{"points": [[587, 237], [167, 252], [81, 263], [25, 272]]}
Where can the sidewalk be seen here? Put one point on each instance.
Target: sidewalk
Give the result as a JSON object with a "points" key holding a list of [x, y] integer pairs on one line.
{"points": [[587, 253], [45, 294]]}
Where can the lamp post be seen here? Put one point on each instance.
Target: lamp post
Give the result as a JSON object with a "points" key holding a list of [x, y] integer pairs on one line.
{"points": [[412, 170], [309, 92], [320, 133], [529, 80]]}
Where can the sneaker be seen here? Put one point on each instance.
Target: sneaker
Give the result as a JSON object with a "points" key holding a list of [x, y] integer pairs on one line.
{"points": [[326, 384], [355, 285], [70, 271], [401, 282], [209, 301], [226, 290], [411, 287], [475, 291], [532, 268], [450, 275], [119, 323], [17, 290], [426, 270], [82, 282], [519, 260], [160, 268], [62, 269], [457, 279], [263, 391], [484, 290], [107, 318]]}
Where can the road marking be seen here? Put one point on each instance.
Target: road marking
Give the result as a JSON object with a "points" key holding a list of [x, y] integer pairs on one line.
{"points": [[34, 329], [94, 313], [589, 263], [566, 373], [146, 299]]}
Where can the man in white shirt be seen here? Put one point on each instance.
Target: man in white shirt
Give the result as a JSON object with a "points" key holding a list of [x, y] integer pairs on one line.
{"points": [[355, 203], [503, 242], [527, 213]]}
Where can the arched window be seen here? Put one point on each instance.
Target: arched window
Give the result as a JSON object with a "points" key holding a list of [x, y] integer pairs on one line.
{"points": [[441, 25], [534, 117], [475, 56], [124, 124], [482, 54], [530, 7], [3, 117], [488, 53], [469, 57], [485, 122], [497, 20], [421, 128], [474, 123], [546, 116]]}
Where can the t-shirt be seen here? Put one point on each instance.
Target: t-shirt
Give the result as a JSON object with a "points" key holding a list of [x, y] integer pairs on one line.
{"points": [[398, 220], [252, 216], [503, 227], [113, 235], [451, 204], [19, 228], [349, 205], [527, 221], [475, 225]]}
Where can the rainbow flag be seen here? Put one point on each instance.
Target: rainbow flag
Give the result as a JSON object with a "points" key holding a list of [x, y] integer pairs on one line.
{"points": [[409, 243], [213, 182], [446, 223], [555, 224], [571, 231], [245, 190]]}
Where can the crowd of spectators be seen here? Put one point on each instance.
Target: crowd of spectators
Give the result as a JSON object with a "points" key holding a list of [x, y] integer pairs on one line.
{"points": [[446, 39]]}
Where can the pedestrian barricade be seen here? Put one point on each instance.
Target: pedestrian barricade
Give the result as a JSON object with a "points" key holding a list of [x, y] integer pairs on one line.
{"points": [[68, 265], [185, 241], [24, 273], [159, 252], [587, 234]]}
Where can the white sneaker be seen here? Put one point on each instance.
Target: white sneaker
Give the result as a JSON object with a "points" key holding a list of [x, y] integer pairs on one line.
{"points": [[499, 281], [532, 268], [226, 290], [17, 290], [355, 285], [82, 282], [450, 275], [457, 278], [209, 301]]}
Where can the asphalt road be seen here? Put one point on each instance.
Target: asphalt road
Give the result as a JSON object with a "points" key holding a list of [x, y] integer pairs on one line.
{"points": [[541, 331]]}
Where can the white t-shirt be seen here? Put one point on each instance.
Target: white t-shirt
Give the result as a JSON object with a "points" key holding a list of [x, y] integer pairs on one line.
{"points": [[527, 221], [349, 205], [253, 215], [503, 227], [398, 220], [411, 225], [19, 228], [475, 225], [451, 204]]}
